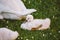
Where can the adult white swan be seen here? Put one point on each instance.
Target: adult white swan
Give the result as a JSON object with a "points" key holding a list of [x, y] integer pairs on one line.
{"points": [[13, 9]]}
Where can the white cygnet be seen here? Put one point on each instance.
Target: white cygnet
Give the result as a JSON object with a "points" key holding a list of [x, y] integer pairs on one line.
{"points": [[35, 24]]}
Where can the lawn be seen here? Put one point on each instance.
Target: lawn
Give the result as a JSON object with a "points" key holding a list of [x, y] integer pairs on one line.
{"points": [[45, 8]]}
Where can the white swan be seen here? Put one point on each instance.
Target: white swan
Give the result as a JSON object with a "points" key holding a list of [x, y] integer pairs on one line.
{"points": [[14, 9], [7, 34], [35, 24]]}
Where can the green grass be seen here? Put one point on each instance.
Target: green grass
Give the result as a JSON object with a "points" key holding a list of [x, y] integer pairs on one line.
{"points": [[45, 8]]}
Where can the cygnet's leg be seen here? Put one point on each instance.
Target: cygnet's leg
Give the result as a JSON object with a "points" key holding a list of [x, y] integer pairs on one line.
{"points": [[43, 28], [45, 25], [37, 27]]}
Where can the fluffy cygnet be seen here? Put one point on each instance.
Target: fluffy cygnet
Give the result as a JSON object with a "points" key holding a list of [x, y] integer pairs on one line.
{"points": [[35, 24]]}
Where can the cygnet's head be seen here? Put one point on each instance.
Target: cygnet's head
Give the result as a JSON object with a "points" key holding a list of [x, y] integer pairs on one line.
{"points": [[29, 18]]}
